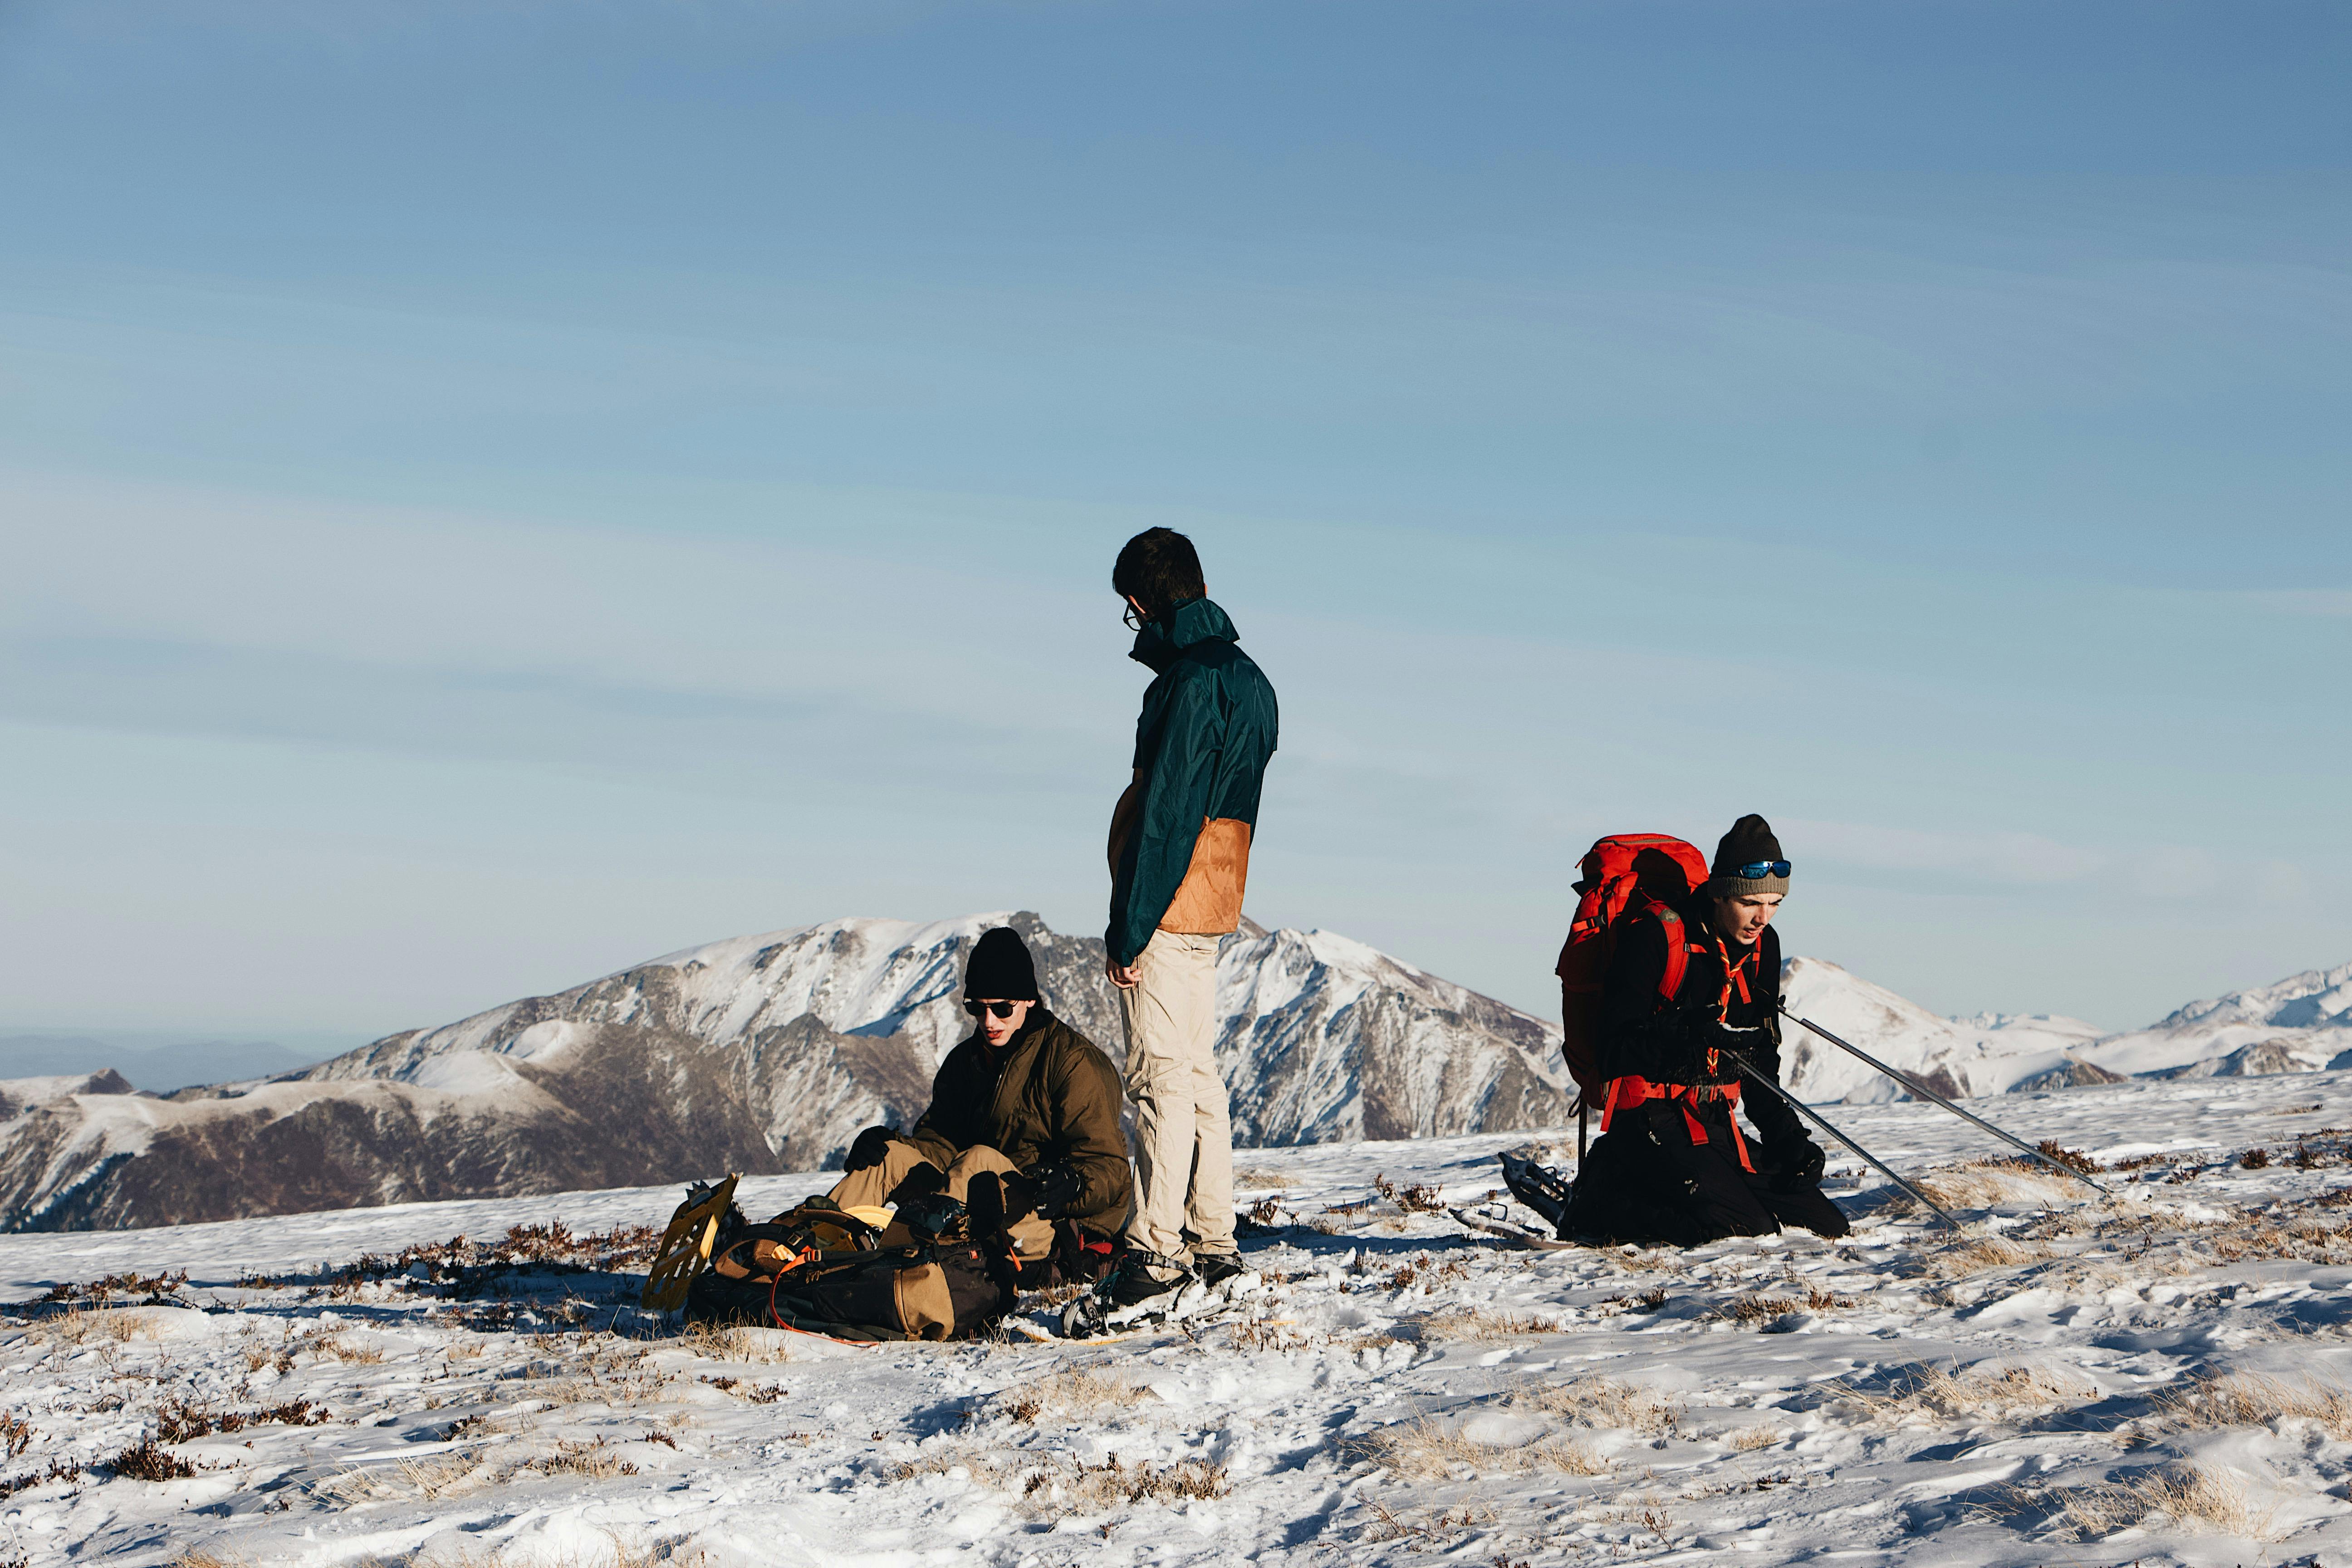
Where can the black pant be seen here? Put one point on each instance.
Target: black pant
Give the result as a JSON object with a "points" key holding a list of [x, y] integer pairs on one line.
{"points": [[1646, 1180]]}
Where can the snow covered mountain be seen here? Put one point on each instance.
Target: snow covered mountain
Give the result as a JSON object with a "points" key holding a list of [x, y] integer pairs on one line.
{"points": [[1988, 1053], [768, 1053], [2298, 1025], [757, 1053]]}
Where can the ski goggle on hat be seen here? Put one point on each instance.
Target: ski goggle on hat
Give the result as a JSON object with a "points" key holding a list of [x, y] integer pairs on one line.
{"points": [[1755, 869]]}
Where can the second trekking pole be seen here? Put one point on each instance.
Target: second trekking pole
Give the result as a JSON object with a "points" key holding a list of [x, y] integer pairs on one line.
{"points": [[1921, 1089], [1748, 1068]]}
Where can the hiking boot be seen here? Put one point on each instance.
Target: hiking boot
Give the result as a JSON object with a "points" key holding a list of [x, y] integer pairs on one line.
{"points": [[1138, 1276], [1216, 1268], [1141, 1289]]}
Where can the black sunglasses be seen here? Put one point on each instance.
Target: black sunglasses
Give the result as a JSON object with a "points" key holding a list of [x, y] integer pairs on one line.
{"points": [[1002, 1009], [1755, 869], [1129, 618]]}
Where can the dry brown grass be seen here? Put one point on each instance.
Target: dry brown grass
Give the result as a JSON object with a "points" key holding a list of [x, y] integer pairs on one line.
{"points": [[1277, 1334], [341, 1349], [1480, 1324], [594, 1460], [1983, 1184], [2249, 1399], [1980, 1253], [1087, 1487], [2302, 1240], [1058, 1488], [1081, 1391], [1440, 1532], [766, 1346], [357, 1484], [1604, 1404], [85, 1325], [1428, 1449], [409, 1480], [2189, 1497], [1424, 1271], [431, 1478], [1932, 1391], [1261, 1181], [1749, 1439], [278, 1356], [1640, 1513], [1652, 1300], [1757, 1309]]}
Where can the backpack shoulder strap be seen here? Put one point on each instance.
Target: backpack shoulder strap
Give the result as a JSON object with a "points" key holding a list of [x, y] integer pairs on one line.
{"points": [[1670, 922]]}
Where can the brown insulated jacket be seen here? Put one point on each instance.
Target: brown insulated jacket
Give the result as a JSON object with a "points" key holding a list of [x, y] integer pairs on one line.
{"points": [[1050, 1094]]}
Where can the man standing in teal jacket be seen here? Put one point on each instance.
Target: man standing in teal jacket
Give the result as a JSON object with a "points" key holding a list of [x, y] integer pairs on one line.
{"points": [[1180, 845]]}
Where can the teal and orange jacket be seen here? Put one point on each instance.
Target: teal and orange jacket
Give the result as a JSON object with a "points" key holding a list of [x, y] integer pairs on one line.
{"points": [[1180, 839]]}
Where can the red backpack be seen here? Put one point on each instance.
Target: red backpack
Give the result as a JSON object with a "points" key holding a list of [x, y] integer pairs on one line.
{"points": [[1624, 874]]}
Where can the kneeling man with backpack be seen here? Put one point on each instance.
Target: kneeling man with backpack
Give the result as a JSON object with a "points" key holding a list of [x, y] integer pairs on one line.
{"points": [[1023, 1122], [1692, 977]]}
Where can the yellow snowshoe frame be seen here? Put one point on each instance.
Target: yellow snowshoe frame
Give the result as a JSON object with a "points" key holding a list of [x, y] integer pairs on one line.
{"points": [[686, 1247]]}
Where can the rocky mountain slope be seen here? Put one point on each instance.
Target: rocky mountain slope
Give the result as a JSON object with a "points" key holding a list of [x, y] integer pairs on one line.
{"points": [[756, 1054], [768, 1053], [2300, 1023]]}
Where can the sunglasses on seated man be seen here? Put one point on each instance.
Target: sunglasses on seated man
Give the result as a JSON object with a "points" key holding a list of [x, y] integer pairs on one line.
{"points": [[1755, 869], [1002, 1009]]}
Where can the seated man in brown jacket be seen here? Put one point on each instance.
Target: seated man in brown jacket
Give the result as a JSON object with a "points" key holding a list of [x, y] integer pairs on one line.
{"points": [[1027, 1102]]}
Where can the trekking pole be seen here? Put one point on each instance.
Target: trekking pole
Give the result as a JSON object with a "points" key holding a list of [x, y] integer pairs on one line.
{"points": [[1921, 1089], [1794, 1103]]}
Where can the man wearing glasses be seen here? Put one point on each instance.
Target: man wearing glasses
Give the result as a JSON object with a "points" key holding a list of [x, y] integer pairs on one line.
{"points": [[1179, 847], [1026, 1112], [1671, 1164]]}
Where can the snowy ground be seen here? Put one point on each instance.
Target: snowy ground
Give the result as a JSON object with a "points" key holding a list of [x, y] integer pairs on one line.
{"points": [[2157, 1377]]}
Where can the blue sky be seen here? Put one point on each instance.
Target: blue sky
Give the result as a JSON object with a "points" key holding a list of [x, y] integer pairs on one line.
{"points": [[497, 491]]}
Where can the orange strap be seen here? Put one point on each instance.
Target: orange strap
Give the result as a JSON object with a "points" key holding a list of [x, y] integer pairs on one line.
{"points": [[1735, 971]]}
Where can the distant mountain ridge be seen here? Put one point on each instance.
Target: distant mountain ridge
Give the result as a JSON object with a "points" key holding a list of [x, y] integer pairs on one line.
{"points": [[159, 1068], [760, 1054], [2301, 1024], [768, 1053]]}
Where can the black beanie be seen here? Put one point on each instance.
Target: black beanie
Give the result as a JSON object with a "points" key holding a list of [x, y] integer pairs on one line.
{"points": [[1000, 969], [1749, 840]]}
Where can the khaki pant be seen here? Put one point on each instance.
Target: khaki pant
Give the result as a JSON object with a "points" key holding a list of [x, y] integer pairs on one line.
{"points": [[1183, 1139], [872, 1187]]}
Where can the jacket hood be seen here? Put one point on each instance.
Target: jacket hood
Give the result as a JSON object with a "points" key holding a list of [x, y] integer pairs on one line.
{"points": [[1195, 621]]}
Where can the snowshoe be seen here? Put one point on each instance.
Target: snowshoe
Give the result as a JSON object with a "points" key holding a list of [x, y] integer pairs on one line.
{"points": [[686, 1246], [1130, 1297], [1494, 1220], [1542, 1189]]}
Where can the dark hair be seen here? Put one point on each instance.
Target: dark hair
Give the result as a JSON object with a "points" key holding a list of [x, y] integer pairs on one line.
{"points": [[1157, 570]]}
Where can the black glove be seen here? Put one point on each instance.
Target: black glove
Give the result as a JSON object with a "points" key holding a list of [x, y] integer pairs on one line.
{"points": [[1045, 1190], [932, 1215], [871, 1148], [1678, 1042], [1800, 1162]]}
